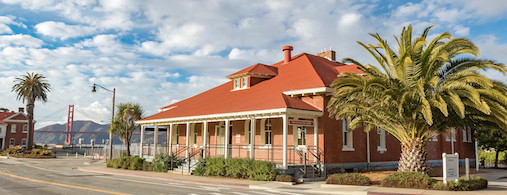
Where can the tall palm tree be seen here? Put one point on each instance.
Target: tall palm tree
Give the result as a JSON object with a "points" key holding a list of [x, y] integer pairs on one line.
{"points": [[123, 124], [29, 88], [422, 89]]}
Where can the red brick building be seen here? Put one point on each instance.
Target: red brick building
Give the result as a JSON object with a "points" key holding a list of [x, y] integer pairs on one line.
{"points": [[13, 129], [278, 113]]}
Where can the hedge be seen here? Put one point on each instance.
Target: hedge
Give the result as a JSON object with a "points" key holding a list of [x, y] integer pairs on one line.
{"points": [[237, 168], [348, 179], [474, 183], [162, 162], [131, 163], [407, 180]]}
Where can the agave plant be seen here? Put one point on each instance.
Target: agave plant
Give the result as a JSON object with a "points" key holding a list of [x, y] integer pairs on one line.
{"points": [[421, 89]]}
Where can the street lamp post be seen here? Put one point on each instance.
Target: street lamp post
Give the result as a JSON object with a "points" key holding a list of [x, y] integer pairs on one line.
{"points": [[94, 89]]}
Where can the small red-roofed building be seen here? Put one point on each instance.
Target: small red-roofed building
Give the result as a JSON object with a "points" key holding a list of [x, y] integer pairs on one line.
{"points": [[279, 113], [13, 129]]}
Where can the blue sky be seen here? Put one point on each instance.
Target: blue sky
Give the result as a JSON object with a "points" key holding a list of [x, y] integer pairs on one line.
{"points": [[156, 52]]}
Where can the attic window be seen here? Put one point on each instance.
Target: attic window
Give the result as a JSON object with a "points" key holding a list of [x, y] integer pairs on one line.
{"points": [[241, 83]]}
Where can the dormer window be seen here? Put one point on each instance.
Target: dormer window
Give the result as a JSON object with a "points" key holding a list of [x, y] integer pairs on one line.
{"points": [[236, 83], [244, 82], [240, 83]]}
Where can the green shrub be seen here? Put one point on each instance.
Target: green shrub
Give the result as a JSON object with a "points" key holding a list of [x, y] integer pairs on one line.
{"points": [[136, 163], [162, 162], [200, 168], [147, 166], [14, 150], [237, 168], [285, 178], [348, 179], [474, 183], [407, 180], [132, 163], [263, 171], [439, 186]]}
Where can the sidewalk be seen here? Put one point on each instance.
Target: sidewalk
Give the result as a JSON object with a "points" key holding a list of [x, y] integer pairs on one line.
{"points": [[497, 183]]}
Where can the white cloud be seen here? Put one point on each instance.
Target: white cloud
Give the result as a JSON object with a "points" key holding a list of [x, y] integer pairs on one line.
{"points": [[20, 40], [62, 31]]}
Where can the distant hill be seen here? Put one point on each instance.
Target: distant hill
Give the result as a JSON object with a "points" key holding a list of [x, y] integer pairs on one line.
{"points": [[84, 126], [79, 126]]}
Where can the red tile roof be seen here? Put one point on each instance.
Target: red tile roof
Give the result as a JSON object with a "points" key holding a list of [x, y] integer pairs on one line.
{"points": [[4, 115], [304, 71], [259, 69]]}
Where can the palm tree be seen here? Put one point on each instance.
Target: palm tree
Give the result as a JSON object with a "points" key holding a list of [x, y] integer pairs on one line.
{"points": [[31, 87], [421, 90], [123, 125]]}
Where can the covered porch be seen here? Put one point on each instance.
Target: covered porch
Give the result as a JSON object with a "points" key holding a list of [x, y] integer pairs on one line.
{"points": [[285, 136]]}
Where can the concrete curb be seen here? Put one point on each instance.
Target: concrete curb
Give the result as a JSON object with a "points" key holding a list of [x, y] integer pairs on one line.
{"points": [[169, 179]]}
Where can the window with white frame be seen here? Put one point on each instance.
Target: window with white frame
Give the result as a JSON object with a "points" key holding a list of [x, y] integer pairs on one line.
{"points": [[244, 82], [12, 142], [381, 140], [194, 134], [267, 131], [301, 135], [25, 128], [434, 138], [237, 83], [23, 142], [13, 128], [176, 136], [451, 133], [469, 133], [347, 136]]}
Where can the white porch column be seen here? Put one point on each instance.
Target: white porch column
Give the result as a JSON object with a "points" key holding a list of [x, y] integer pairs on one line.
{"points": [[226, 144], [252, 138], [141, 142], [187, 141], [316, 134], [205, 138], [155, 140], [170, 140], [285, 129]]}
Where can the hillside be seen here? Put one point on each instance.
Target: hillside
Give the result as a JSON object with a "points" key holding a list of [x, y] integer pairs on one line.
{"points": [[79, 126]]}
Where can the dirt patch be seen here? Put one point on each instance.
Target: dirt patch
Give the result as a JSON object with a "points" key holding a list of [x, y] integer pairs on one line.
{"points": [[376, 176]]}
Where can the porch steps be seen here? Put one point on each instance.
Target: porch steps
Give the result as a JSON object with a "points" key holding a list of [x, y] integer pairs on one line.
{"points": [[183, 168]]}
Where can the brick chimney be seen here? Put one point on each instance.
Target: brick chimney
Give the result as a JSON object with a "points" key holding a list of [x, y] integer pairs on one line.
{"points": [[330, 55], [21, 109], [287, 49]]}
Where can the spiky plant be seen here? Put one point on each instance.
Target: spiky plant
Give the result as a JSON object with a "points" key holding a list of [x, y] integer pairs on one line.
{"points": [[421, 89], [29, 88], [124, 122]]}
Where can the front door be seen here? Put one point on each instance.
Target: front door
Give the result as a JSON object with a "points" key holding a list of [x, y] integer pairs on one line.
{"points": [[1, 143]]}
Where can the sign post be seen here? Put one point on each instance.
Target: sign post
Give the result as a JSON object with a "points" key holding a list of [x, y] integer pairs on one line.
{"points": [[451, 167]]}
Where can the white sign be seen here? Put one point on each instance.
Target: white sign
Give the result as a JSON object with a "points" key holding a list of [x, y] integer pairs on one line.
{"points": [[451, 166], [301, 122], [238, 138]]}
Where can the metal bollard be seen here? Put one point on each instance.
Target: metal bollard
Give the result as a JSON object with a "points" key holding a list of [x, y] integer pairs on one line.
{"points": [[67, 154], [76, 154], [84, 155]]}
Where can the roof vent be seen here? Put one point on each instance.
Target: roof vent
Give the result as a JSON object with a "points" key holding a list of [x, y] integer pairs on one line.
{"points": [[328, 54], [287, 49]]}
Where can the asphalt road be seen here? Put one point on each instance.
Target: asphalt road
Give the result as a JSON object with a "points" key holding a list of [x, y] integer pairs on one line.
{"points": [[59, 176]]}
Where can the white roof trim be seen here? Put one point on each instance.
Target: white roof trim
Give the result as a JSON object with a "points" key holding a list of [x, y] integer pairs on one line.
{"points": [[166, 109], [313, 91], [237, 115], [10, 120]]}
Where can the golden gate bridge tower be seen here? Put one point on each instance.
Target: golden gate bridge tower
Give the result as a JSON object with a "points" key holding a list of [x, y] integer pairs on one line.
{"points": [[68, 128]]}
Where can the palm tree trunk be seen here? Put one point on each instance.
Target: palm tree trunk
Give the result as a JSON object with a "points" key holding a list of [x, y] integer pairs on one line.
{"points": [[29, 135], [413, 156]]}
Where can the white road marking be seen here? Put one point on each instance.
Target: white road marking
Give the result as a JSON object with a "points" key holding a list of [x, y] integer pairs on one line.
{"points": [[239, 193], [280, 192]]}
